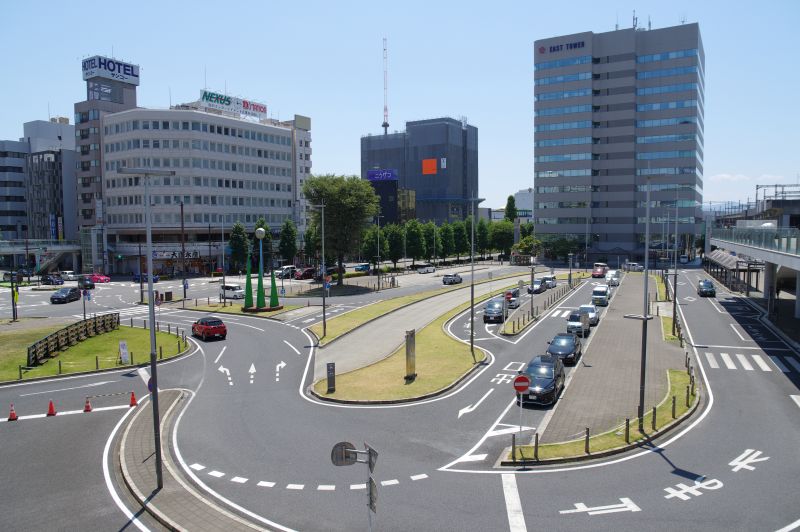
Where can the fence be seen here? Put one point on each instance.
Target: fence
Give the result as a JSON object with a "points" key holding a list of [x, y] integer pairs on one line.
{"points": [[71, 335]]}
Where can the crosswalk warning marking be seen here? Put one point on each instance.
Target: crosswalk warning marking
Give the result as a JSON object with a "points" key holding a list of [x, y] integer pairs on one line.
{"points": [[727, 360], [793, 362], [744, 362], [777, 361], [555, 314], [565, 314], [761, 363], [711, 360]]}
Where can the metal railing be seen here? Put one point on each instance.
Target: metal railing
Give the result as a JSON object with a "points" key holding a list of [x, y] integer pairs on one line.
{"points": [[784, 240]]}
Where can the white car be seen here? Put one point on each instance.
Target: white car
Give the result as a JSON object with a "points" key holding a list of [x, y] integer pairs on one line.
{"points": [[69, 275], [231, 291], [451, 278], [426, 268], [591, 310], [612, 278], [549, 281]]}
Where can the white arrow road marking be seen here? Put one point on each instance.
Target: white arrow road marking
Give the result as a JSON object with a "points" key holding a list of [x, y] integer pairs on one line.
{"points": [[65, 389], [293, 347], [468, 409], [626, 505], [516, 519], [226, 372], [744, 460], [278, 368], [252, 372]]}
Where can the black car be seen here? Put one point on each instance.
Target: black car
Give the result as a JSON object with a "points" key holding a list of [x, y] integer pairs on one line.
{"points": [[493, 311], [706, 288], [65, 295], [565, 346], [52, 279], [546, 373], [85, 283]]}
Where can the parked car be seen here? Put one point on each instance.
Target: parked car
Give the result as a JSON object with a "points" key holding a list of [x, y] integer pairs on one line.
{"points": [[143, 277], [65, 295], [18, 275], [69, 275], [452, 278], [565, 346], [85, 283], [549, 281], [209, 327], [578, 323], [613, 277], [287, 272], [51, 279], [231, 291], [633, 267], [705, 288], [99, 278], [601, 295], [493, 311], [684, 259], [426, 268], [513, 302], [537, 287], [363, 267], [591, 310], [304, 273], [547, 376], [330, 270]]}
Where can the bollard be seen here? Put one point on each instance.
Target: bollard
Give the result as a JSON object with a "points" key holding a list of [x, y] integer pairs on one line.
{"points": [[536, 446], [158, 327], [627, 430], [144, 324], [59, 367], [132, 364], [179, 346], [131, 323], [673, 407], [20, 373], [586, 441], [654, 419], [687, 395], [96, 362], [513, 447], [195, 302], [161, 352], [169, 331]]}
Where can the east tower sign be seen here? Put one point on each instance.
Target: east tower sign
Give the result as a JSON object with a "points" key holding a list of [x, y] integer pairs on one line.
{"points": [[223, 102], [103, 67]]}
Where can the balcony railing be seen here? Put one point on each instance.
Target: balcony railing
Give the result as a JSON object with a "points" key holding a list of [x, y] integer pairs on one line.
{"points": [[784, 240]]}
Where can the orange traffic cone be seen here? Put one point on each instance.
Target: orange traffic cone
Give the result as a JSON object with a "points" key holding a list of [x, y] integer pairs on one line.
{"points": [[13, 415], [133, 400], [51, 409], [88, 406]]}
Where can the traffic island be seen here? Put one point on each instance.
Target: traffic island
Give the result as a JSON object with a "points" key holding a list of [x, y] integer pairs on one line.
{"points": [[236, 309], [256, 310]]}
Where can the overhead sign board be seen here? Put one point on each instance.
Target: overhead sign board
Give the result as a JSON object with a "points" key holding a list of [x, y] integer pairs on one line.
{"points": [[223, 102], [104, 67], [382, 175]]}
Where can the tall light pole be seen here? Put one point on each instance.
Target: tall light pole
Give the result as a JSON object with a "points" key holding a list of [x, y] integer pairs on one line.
{"points": [[569, 255], [675, 267], [222, 239], [322, 270], [183, 257], [151, 310], [473, 203], [378, 263], [260, 234]]}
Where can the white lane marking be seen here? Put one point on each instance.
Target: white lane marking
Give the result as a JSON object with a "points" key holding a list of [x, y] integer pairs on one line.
{"points": [[565, 313], [796, 399], [220, 354], [239, 480], [790, 526], [144, 375], [390, 482], [197, 467], [265, 484], [751, 348], [555, 313], [295, 486], [66, 389], [326, 487], [737, 333], [761, 363], [793, 362], [508, 430], [744, 362], [727, 360], [424, 476], [217, 474], [469, 408], [778, 364], [293, 347], [358, 486], [711, 360], [308, 320], [472, 458], [516, 519]]}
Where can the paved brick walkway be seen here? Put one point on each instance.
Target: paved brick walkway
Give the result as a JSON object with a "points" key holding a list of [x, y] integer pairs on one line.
{"points": [[605, 387]]}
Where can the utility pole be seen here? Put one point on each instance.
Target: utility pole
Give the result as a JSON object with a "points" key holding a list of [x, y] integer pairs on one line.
{"points": [[183, 255], [378, 260], [222, 240], [210, 269], [675, 274], [141, 287]]}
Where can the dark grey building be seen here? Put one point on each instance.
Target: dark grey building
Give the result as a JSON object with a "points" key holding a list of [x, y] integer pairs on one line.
{"points": [[614, 113], [13, 213], [436, 158]]}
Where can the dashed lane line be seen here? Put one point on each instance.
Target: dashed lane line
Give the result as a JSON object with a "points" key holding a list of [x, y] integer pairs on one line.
{"points": [[727, 360], [358, 486], [197, 467], [295, 486], [761, 363], [265, 484], [419, 477], [326, 487], [711, 360], [239, 480], [217, 474], [390, 482]]}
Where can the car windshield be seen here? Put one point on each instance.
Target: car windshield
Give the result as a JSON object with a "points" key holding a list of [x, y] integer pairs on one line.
{"points": [[562, 340], [575, 316], [539, 371], [494, 304], [214, 323], [62, 291], [705, 284], [587, 308]]}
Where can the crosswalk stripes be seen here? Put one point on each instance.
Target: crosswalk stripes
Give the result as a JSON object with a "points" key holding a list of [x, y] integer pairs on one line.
{"points": [[746, 361]]}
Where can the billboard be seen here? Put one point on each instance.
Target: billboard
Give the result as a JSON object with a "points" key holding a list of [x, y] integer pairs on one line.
{"points": [[103, 67], [223, 102], [429, 167], [382, 175]]}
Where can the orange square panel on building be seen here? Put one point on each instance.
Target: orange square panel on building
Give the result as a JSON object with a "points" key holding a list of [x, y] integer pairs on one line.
{"points": [[428, 166]]}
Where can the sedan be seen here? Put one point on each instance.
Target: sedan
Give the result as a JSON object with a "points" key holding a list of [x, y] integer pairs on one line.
{"points": [[304, 273], [99, 278], [513, 301], [537, 288], [591, 310], [565, 346], [143, 277], [426, 268], [493, 311], [546, 373], [65, 295], [209, 327], [364, 267], [451, 278], [52, 279], [706, 288]]}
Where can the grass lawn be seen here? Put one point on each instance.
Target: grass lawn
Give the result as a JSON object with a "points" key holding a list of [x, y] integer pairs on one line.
{"points": [[346, 322], [236, 308], [80, 357], [666, 326], [440, 361], [662, 289], [678, 381]]}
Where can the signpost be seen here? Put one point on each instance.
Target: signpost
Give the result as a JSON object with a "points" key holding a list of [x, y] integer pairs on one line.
{"points": [[345, 454], [123, 352], [521, 385], [331, 368]]}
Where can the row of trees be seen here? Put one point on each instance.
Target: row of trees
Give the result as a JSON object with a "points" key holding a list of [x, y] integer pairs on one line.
{"points": [[242, 244]]}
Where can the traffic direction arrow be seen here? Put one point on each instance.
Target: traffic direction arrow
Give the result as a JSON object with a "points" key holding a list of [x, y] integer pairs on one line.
{"points": [[468, 409], [278, 368], [626, 505], [225, 371], [252, 372]]}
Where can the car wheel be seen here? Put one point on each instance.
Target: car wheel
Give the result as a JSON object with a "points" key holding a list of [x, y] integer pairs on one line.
{"points": [[224, 336]]}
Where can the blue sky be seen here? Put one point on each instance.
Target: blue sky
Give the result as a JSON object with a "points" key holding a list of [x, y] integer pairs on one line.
{"points": [[457, 58]]}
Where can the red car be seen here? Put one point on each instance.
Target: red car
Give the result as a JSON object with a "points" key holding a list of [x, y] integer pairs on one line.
{"points": [[305, 273], [209, 327], [99, 278]]}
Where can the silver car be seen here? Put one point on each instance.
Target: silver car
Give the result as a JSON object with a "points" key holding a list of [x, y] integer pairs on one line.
{"points": [[591, 310]]}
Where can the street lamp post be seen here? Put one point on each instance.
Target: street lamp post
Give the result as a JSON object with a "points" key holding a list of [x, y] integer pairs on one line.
{"points": [[141, 280], [675, 274], [473, 203], [569, 281], [260, 233], [147, 173], [323, 271], [378, 263], [222, 238], [183, 257]]}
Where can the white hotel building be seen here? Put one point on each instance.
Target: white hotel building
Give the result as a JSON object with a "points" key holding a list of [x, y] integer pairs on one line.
{"points": [[227, 169]]}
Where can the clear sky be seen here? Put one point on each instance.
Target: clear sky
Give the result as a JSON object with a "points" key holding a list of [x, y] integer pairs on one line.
{"points": [[467, 59]]}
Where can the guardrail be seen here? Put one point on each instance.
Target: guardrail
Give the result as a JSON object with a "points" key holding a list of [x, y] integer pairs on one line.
{"points": [[71, 335], [785, 240]]}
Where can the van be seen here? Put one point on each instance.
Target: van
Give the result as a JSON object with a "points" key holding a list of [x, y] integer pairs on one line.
{"points": [[601, 295], [69, 275], [578, 323], [549, 281], [231, 291]]}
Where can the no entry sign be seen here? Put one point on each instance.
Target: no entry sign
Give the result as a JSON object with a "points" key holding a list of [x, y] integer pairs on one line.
{"points": [[522, 383]]}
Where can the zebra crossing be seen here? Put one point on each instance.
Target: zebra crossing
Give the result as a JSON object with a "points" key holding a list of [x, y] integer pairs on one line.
{"points": [[751, 362], [130, 312]]}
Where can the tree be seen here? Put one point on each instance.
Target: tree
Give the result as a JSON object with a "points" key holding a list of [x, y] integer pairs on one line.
{"points": [[448, 242], [350, 203], [415, 241], [288, 243], [525, 229], [502, 236], [394, 235], [511, 209], [311, 242], [369, 244], [460, 239], [240, 245], [526, 245], [433, 241], [482, 236]]}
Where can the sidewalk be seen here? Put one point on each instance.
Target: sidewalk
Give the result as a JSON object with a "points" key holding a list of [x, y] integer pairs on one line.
{"points": [[178, 506], [605, 384]]}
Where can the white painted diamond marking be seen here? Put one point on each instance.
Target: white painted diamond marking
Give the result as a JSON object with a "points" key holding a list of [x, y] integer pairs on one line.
{"points": [[217, 474], [197, 467]]}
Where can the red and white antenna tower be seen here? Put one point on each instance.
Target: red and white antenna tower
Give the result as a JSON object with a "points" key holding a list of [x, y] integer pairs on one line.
{"points": [[385, 124]]}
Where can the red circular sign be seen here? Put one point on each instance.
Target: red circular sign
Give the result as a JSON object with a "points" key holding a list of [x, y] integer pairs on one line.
{"points": [[522, 383], [509, 295]]}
